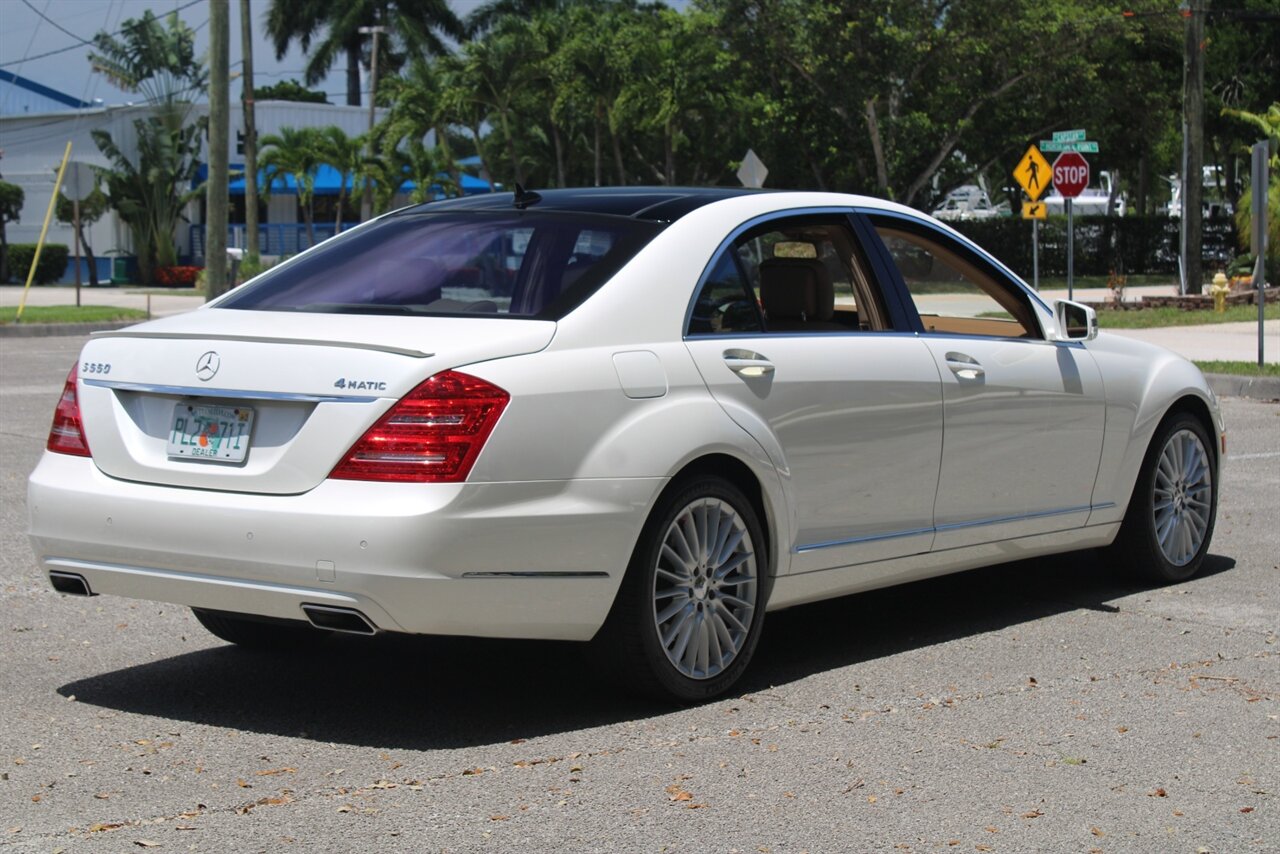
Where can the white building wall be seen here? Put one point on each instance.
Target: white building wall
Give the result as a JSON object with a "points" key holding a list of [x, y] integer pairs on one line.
{"points": [[33, 145]]}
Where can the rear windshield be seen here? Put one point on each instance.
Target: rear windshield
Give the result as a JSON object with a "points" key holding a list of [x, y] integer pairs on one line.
{"points": [[517, 264]]}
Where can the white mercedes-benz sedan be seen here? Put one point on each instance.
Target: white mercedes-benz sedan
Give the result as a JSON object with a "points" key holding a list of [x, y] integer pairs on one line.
{"points": [[640, 417]]}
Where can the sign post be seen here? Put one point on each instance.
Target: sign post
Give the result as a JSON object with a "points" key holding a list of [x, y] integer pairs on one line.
{"points": [[78, 184], [1070, 177], [1258, 201], [1032, 172]]}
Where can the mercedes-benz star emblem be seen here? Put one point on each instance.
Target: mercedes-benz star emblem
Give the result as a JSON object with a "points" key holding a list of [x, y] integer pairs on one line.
{"points": [[207, 366]]}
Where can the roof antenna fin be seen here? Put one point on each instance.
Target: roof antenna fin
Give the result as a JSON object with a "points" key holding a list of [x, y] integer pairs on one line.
{"points": [[524, 198]]}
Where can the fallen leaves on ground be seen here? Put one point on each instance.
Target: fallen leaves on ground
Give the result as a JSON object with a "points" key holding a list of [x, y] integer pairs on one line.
{"points": [[675, 793]]}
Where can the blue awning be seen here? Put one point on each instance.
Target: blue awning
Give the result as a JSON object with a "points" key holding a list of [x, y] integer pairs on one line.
{"points": [[327, 182]]}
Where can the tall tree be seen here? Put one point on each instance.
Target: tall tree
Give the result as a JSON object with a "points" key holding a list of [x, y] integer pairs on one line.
{"points": [[11, 198], [296, 153], [215, 232], [156, 60], [326, 30], [92, 207], [249, 111], [347, 155]]}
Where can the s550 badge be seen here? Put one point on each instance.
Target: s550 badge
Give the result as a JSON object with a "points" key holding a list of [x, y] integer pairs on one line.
{"points": [[360, 385]]}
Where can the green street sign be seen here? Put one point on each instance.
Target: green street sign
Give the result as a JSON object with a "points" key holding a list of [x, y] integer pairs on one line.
{"points": [[1069, 135], [1084, 147]]}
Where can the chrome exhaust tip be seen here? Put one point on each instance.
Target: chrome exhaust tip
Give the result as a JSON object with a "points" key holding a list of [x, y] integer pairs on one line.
{"points": [[69, 583], [336, 619]]}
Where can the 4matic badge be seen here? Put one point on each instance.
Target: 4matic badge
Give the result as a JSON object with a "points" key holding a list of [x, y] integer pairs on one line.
{"points": [[360, 385]]}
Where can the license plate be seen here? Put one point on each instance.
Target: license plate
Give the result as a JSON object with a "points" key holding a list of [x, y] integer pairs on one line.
{"points": [[218, 433]]}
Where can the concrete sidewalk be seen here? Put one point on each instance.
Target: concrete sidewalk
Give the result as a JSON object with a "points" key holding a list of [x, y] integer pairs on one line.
{"points": [[161, 304]]}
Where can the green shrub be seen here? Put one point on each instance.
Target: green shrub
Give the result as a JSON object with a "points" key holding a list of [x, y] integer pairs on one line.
{"points": [[1130, 245], [53, 262]]}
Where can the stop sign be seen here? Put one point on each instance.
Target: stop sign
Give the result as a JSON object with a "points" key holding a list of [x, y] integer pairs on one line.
{"points": [[1070, 174]]}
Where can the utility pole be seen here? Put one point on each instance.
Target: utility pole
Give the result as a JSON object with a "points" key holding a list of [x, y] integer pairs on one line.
{"points": [[250, 138], [215, 228], [366, 202], [1193, 145]]}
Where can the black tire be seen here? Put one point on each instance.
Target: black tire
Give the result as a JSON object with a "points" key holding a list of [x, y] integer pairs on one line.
{"points": [[630, 647], [260, 633], [1138, 548]]}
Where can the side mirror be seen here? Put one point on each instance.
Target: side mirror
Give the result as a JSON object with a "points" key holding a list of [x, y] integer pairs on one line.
{"points": [[1074, 321]]}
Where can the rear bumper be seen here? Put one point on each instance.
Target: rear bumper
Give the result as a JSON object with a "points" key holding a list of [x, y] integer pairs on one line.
{"points": [[519, 560]]}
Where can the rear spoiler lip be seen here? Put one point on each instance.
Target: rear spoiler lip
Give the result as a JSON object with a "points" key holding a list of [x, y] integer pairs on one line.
{"points": [[268, 339]]}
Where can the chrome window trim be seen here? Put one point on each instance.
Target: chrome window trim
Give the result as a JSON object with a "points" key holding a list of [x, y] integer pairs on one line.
{"points": [[240, 394], [879, 333], [954, 526]]}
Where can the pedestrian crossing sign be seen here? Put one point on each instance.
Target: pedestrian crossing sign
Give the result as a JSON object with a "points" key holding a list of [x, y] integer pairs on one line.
{"points": [[1033, 173]]}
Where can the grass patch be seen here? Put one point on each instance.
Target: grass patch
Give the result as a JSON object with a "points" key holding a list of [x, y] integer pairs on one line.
{"points": [[1245, 369], [141, 290], [1150, 318], [1147, 318], [70, 314]]}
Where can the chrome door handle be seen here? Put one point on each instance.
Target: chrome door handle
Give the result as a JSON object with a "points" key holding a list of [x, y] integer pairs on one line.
{"points": [[745, 363], [964, 367]]}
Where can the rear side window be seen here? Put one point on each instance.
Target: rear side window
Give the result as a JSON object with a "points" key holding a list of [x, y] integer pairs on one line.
{"points": [[522, 264]]}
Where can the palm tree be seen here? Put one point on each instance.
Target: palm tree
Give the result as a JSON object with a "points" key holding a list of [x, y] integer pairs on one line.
{"points": [[461, 104], [416, 105], [296, 152], [347, 155], [428, 168], [1267, 123], [157, 61], [495, 69], [417, 26]]}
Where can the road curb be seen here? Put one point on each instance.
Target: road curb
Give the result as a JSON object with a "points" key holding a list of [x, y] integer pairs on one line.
{"points": [[46, 330], [1234, 385]]}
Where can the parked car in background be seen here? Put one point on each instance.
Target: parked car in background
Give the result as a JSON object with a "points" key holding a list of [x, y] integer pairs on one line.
{"points": [[638, 417], [969, 202]]}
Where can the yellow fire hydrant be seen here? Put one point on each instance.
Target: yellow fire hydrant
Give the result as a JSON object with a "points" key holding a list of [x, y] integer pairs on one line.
{"points": [[1220, 289]]}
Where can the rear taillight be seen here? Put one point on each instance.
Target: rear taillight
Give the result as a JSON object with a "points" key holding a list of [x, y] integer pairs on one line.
{"points": [[432, 435], [66, 436]]}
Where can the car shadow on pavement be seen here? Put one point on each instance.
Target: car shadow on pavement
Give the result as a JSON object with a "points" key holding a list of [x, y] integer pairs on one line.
{"points": [[427, 693]]}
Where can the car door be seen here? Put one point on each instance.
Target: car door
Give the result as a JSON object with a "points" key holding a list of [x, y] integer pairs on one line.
{"points": [[797, 347], [1024, 416]]}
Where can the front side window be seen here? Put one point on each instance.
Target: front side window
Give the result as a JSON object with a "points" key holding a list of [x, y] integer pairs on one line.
{"points": [[521, 264], [953, 291]]}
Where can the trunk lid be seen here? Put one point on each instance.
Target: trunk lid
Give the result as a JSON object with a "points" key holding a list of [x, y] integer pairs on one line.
{"points": [[307, 386]]}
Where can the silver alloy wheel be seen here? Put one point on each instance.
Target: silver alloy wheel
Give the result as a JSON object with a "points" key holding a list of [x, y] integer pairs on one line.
{"points": [[704, 589], [1182, 497]]}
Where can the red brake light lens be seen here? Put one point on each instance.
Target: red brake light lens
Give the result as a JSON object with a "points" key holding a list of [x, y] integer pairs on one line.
{"points": [[432, 435], [66, 436]]}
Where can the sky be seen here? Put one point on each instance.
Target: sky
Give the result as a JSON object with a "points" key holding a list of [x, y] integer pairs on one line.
{"points": [[25, 36]]}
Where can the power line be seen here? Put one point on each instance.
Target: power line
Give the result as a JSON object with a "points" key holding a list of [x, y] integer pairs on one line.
{"points": [[187, 5], [54, 23]]}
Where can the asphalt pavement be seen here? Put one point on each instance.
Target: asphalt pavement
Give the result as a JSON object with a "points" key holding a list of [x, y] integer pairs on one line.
{"points": [[1048, 705]]}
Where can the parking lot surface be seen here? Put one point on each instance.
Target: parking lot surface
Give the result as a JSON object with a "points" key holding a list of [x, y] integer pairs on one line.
{"points": [[1048, 705]]}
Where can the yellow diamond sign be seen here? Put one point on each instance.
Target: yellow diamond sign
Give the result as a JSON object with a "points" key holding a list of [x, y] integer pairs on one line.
{"points": [[1034, 210], [1033, 173]]}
